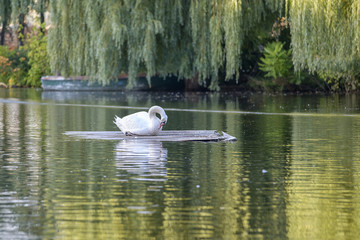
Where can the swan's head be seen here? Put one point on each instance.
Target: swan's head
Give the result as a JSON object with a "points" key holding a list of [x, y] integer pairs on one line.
{"points": [[163, 120], [163, 117]]}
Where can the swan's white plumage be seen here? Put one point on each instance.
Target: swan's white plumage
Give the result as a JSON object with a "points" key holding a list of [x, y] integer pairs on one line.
{"points": [[142, 123]]}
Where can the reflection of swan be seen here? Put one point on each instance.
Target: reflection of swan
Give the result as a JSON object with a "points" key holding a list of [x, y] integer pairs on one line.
{"points": [[142, 123], [144, 158]]}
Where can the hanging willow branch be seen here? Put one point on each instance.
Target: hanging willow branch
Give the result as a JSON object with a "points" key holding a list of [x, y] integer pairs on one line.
{"points": [[103, 39], [326, 36]]}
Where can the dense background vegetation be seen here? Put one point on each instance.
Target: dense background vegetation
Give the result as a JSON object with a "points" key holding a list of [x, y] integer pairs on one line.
{"points": [[256, 44]]}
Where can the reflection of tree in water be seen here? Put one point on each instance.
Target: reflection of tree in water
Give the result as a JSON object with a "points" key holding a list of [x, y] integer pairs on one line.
{"points": [[143, 158]]}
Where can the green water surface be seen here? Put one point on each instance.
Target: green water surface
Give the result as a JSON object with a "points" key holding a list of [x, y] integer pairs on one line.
{"points": [[294, 172]]}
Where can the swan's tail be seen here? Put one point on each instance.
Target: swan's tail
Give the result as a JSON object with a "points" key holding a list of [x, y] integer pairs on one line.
{"points": [[117, 121]]}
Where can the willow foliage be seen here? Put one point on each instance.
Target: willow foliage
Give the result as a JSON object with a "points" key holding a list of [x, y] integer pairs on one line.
{"points": [[326, 36], [102, 39], [19, 7]]}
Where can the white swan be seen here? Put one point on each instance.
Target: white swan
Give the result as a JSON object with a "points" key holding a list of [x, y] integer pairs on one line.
{"points": [[142, 123]]}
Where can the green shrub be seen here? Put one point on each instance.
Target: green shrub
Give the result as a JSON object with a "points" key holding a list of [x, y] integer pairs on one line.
{"points": [[277, 66], [20, 65], [36, 48], [25, 66], [13, 66], [276, 62], [5, 64]]}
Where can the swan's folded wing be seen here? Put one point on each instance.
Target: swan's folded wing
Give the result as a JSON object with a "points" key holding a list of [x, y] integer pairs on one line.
{"points": [[138, 123]]}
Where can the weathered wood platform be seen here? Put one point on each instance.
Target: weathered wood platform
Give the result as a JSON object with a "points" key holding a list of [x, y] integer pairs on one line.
{"points": [[163, 136]]}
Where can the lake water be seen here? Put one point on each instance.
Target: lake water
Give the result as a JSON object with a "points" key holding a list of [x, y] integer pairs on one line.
{"points": [[294, 172]]}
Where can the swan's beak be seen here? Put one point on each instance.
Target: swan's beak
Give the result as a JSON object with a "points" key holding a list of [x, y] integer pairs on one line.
{"points": [[162, 124]]}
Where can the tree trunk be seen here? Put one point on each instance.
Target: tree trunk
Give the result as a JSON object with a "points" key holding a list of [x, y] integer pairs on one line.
{"points": [[42, 21], [21, 30], [2, 33], [192, 84]]}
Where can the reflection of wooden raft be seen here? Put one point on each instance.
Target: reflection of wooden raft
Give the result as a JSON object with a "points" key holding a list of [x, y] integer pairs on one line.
{"points": [[163, 136]]}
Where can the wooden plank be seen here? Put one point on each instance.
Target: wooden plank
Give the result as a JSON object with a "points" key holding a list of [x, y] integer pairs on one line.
{"points": [[163, 136]]}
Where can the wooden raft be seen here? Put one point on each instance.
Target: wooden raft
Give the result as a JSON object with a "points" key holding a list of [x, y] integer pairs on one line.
{"points": [[163, 136]]}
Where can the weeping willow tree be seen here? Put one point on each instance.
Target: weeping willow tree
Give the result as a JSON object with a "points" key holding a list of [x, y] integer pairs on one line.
{"points": [[326, 37], [188, 38]]}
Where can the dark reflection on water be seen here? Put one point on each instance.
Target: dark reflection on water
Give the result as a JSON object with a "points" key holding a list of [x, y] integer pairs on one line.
{"points": [[292, 176]]}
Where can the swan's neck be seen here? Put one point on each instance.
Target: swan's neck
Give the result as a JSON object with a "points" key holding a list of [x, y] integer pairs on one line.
{"points": [[156, 109]]}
